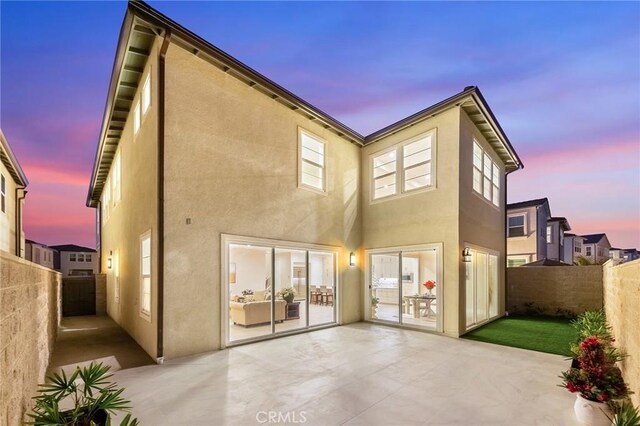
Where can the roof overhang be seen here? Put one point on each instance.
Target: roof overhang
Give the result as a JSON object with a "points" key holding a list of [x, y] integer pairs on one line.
{"points": [[8, 158]]}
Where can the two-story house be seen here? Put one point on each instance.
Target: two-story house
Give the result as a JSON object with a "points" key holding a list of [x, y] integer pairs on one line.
{"points": [[73, 260], [527, 231], [555, 236], [39, 253], [572, 247], [623, 255], [13, 184], [595, 248], [231, 210]]}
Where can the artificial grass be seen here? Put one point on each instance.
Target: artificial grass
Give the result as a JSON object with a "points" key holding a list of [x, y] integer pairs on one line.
{"points": [[537, 333]]}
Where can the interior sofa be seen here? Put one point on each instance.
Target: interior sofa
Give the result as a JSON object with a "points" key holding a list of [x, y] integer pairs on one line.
{"points": [[254, 313]]}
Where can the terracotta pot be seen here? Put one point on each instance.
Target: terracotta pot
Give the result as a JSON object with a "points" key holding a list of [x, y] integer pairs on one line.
{"points": [[592, 413]]}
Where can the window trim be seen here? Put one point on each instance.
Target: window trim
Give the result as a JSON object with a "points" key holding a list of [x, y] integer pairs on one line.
{"points": [[143, 313], [549, 236], [137, 118], [324, 143], [3, 193], [401, 191], [525, 215], [492, 183], [147, 83], [525, 257]]}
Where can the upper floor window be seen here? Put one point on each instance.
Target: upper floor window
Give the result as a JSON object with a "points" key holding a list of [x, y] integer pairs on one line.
{"points": [[486, 175], [72, 257], [516, 226], [577, 249], [404, 167], [145, 274], [116, 179], [549, 239], [80, 257], [587, 251], [136, 118], [3, 194], [312, 164], [87, 258], [146, 94]]}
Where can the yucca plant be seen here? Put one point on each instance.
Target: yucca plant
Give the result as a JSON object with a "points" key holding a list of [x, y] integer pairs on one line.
{"points": [[592, 323], [92, 396], [626, 415]]}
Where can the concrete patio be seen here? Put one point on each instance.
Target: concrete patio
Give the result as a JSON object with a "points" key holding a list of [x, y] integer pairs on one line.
{"points": [[360, 374]]}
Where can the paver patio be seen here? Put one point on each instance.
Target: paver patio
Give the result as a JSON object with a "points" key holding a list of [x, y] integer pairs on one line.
{"points": [[360, 374]]}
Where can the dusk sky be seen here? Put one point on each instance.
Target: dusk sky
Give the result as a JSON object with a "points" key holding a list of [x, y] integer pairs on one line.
{"points": [[562, 78]]}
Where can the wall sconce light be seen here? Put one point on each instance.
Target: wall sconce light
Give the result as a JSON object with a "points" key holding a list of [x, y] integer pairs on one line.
{"points": [[352, 259], [466, 254], [109, 262]]}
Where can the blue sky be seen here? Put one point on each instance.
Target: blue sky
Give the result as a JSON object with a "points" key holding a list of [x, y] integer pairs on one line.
{"points": [[562, 78]]}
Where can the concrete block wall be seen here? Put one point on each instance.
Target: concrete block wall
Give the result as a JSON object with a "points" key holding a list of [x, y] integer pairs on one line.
{"points": [[566, 288], [29, 319], [622, 305], [101, 294]]}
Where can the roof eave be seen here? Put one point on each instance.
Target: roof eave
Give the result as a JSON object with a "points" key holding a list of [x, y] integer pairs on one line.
{"points": [[14, 166]]}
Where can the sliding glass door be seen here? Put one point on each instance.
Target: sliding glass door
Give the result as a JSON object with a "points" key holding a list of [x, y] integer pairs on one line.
{"points": [[274, 288], [481, 287], [404, 286]]}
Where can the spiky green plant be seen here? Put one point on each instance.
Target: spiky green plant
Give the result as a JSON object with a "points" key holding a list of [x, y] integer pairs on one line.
{"points": [[625, 415], [91, 395], [593, 323]]}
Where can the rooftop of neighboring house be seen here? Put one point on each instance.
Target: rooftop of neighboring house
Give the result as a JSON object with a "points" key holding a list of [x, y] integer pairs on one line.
{"points": [[10, 161], [73, 248], [563, 222], [528, 203], [546, 262], [28, 241], [593, 238]]}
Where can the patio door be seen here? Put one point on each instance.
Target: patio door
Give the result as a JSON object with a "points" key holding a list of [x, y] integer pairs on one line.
{"points": [[404, 286]]}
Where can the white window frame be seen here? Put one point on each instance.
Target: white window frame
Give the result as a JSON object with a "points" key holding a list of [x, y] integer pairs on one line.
{"points": [[549, 234], [526, 259], [72, 257], [320, 140], [492, 175], [3, 193], [525, 220], [588, 251], [143, 313], [136, 118], [80, 257], [400, 170], [145, 94], [117, 178]]}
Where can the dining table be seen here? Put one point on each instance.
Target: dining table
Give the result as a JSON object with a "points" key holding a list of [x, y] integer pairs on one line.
{"points": [[417, 301]]}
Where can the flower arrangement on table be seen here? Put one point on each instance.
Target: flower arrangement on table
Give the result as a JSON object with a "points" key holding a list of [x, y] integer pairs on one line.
{"points": [[287, 293], [429, 285], [597, 378]]}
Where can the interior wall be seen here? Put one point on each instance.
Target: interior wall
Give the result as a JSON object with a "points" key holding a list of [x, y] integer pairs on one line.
{"points": [[252, 269]]}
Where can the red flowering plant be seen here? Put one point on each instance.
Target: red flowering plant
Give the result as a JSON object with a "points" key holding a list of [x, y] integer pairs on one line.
{"points": [[597, 378], [430, 285]]}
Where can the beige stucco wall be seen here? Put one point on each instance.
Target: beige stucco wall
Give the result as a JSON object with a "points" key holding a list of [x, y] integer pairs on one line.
{"points": [[231, 167], [573, 288], [481, 223], [101, 294], [29, 317], [529, 244], [8, 218], [423, 217], [135, 214], [622, 305]]}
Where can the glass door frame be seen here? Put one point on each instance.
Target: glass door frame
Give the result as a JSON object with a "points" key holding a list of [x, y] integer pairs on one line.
{"points": [[399, 250], [271, 244], [470, 265]]}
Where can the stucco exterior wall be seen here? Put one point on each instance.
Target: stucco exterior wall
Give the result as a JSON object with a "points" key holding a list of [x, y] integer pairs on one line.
{"points": [[622, 305], [423, 217], [135, 214], [481, 223], [231, 161], [533, 244], [8, 218], [29, 318], [573, 288]]}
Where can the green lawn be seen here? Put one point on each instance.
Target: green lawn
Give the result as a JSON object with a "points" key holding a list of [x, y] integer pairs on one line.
{"points": [[537, 333]]}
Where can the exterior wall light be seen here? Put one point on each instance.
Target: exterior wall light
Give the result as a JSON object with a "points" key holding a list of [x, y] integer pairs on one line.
{"points": [[109, 262], [466, 254], [352, 259]]}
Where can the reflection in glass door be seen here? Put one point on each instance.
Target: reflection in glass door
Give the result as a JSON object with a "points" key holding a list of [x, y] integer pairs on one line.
{"points": [[385, 288], [322, 288], [290, 303]]}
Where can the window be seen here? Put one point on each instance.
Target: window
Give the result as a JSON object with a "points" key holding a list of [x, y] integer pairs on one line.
{"points": [[516, 226], [416, 164], [486, 175], [577, 249], [600, 251], [136, 118], [588, 251], [414, 158], [549, 238], [481, 290], [145, 274], [312, 162], [72, 257], [516, 261], [3, 194], [146, 94], [116, 179], [106, 202], [80, 257], [87, 258]]}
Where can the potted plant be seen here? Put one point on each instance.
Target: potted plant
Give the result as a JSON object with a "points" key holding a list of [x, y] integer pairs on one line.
{"points": [[374, 307], [597, 380], [93, 399], [626, 415], [288, 294], [429, 285]]}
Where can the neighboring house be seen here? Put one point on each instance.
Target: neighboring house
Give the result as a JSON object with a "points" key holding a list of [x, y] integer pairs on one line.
{"points": [[73, 260], [572, 247], [217, 189], [527, 231], [595, 248], [555, 236], [39, 253], [13, 183], [624, 255]]}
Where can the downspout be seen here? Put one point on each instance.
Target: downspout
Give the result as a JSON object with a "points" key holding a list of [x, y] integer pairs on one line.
{"points": [[19, 219], [160, 178]]}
